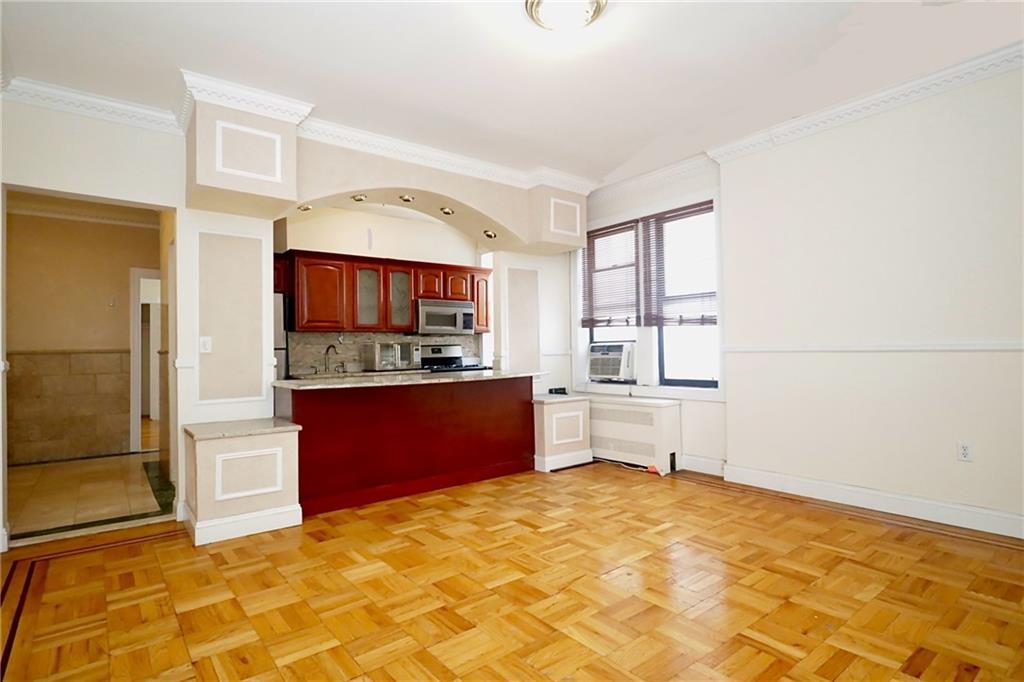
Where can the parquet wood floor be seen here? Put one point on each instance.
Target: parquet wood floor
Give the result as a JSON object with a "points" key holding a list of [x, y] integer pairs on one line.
{"points": [[594, 573]]}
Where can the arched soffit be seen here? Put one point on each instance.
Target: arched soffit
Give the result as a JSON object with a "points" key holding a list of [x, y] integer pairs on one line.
{"points": [[465, 218]]}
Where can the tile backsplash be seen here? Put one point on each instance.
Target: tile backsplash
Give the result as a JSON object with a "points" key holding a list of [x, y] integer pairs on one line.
{"points": [[306, 349]]}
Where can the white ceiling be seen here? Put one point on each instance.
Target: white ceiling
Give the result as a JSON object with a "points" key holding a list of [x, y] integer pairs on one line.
{"points": [[646, 85]]}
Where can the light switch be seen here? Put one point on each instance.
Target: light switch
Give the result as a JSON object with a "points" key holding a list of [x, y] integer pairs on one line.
{"points": [[205, 344]]}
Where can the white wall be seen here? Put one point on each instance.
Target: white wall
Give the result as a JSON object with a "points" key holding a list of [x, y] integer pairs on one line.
{"points": [[64, 152], [193, 402], [874, 301], [362, 233], [552, 322]]}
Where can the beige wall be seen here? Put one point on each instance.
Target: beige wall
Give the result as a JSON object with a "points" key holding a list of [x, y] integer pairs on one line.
{"points": [[63, 276], [231, 314], [367, 234], [874, 299]]}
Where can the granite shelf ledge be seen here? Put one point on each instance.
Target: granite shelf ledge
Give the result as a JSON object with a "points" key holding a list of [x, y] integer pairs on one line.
{"points": [[240, 428], [398, 379]]}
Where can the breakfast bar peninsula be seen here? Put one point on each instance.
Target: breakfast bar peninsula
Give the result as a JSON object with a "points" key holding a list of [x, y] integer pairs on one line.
{"points": [[369, 438]]}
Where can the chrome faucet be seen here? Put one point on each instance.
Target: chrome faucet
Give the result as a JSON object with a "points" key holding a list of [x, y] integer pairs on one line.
{"points": [[327, 369]]}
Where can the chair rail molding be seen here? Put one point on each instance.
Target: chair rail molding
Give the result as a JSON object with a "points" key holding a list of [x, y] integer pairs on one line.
{"points": [[985, 66]]}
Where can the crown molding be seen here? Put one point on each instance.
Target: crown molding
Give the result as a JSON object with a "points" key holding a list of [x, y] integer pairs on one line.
{"points": [[200, 88], [657, 181], [82, 217], [319, 130], [987, 65], [28, 91]]}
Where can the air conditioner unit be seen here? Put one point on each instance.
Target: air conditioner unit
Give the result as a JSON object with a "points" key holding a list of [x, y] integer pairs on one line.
{"points": [[612, 361]]}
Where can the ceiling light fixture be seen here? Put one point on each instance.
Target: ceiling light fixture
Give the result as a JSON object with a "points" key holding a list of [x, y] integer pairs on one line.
{"points": [[305, 207], [358, 197], [555, 15], [406, 198], [447, 211], [490, 234]]}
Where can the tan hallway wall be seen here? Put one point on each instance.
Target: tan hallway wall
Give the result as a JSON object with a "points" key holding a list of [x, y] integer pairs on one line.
{"points": [[68, 334]]}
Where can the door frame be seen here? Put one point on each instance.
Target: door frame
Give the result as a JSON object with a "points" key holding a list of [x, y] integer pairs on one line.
{"points": [[136, 276]]}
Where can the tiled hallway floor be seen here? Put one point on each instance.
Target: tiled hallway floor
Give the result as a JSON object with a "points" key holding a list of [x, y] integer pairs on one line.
{"points": [[61, 494]]}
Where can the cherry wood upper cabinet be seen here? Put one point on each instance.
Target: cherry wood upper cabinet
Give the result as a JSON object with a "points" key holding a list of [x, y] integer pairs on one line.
{"points": [[280, 274], [481, 303], [368, 292], [401, 314], [322, 296], [457, 285], [429, 283]]}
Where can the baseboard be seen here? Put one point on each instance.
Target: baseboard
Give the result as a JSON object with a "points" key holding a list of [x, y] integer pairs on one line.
{"points": [[962, 515], [4, 545], [215, 530], [563, 460], [702, 465]]}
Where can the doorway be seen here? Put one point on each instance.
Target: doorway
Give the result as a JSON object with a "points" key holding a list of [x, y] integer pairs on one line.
{"points": [[82, 329]]}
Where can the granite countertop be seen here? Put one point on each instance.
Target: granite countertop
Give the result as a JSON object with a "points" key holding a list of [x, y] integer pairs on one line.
{"points": [[240, 428], [558, 397], [399, 379]]}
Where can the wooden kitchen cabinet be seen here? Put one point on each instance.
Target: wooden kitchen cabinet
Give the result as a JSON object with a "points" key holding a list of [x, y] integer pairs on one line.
{"points": [[280, 274], [322, 294], [429, 283], [368, 294], [337, 292], [457, 285], [401, 311], [481, 303]]}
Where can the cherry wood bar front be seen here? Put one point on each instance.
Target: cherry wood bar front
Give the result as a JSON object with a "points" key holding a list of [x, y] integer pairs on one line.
{"points": [[365, 444]]}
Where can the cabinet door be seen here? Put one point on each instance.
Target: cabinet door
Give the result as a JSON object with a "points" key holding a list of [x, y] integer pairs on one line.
{"points": [[280, 274], [456, 285], [400, 313], [321, 295], [368, 289], [429, 283], [481, 304]]}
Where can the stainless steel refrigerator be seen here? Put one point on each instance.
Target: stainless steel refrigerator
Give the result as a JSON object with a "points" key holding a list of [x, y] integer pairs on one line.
{"points": [[280, 337]]}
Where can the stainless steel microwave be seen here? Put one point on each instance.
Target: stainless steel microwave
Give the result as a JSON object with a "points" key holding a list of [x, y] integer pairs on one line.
{"points": [[445, 317]]}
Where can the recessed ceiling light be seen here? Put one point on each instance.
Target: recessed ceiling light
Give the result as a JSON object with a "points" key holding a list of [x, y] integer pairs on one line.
{"points": [[305, 207], [554, 15], [447, 211], [490, 234], [406, 198], [358, 197]]}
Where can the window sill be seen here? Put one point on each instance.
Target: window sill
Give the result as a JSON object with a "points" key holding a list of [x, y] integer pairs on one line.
{"points": [[711, 395]]}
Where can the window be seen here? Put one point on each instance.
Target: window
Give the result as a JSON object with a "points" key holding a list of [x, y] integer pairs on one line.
{"points": [[658, 272]]}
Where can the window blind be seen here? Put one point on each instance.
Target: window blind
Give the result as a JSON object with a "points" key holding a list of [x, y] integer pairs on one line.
{"points": [[611, 277], [627, 275], [681, 304]]}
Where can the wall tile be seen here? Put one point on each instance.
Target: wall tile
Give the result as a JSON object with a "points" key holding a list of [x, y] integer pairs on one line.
{"points": [[55, 411]]}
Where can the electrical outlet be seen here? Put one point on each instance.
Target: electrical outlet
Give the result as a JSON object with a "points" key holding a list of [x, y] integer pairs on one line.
{"points": [[205, 344], [963, 453]]}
